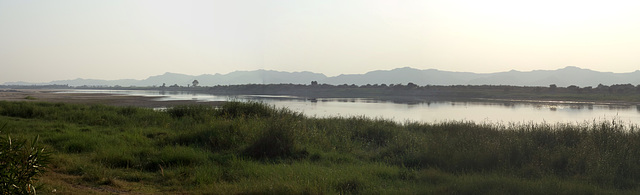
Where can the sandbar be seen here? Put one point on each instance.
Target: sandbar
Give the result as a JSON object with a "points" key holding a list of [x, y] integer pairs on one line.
{"points": [[39, 95]]}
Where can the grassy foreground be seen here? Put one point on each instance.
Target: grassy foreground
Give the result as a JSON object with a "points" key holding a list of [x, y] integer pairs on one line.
{"points": [[252, 148]]}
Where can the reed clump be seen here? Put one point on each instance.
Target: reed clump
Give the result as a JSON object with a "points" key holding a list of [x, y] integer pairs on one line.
{"points": [[20, 164]]}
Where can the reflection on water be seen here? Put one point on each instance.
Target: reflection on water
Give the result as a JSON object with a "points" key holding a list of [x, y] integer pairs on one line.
{"points": [[430, 111]]}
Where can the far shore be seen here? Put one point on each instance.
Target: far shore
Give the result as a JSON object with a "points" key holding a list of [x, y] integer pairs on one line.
{"points": [[51, 95]]}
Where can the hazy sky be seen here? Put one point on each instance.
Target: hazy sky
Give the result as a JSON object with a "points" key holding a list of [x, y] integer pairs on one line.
{"points": [[115, 39]]}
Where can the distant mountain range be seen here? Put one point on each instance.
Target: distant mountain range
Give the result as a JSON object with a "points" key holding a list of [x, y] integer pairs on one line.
{"points": [[562, 77]]}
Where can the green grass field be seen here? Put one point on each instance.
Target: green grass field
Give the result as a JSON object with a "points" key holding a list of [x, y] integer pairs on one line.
{"points": [[253, 148]]}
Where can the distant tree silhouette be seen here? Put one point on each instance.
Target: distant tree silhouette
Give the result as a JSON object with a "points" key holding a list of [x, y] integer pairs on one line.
{"points": [[622, 88], [195, 83], [601, 87], [574, 88]]}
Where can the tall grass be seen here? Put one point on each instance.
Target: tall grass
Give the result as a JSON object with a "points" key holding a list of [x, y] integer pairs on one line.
{"points": [[256, 148]]}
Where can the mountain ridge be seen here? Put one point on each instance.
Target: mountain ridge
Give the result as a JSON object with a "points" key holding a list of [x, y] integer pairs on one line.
{"points": [[570, 75]]}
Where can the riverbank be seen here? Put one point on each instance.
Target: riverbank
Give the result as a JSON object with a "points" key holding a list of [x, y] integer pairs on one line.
{"points": [[253, 148], [51, 95], [432, 111], [39, 95]]}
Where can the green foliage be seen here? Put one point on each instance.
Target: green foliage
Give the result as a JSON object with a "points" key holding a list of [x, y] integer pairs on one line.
{"points": [[196, 112], [216, 137], [20, 164], [249, 109], [181, 156], [379, 133], [255, 148], [277, 141], [353, 186], [20, 109]]}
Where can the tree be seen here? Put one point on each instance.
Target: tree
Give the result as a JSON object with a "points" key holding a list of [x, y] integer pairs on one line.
{"points": [[574, 88], [195, 83]]}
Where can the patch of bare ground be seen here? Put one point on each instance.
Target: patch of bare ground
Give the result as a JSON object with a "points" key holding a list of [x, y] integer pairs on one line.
{"points": [[59, 183]]}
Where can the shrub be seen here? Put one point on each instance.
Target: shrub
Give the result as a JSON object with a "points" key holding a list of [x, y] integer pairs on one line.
{"points": [[128, 111], [376, 135], [20, 109], [246, 109], [220, 136], [197, 112], [19, 165], [277, 141]]}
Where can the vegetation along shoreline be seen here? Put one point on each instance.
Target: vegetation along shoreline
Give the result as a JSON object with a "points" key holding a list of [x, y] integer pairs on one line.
{"points": [[256, 148], [619, 94]]}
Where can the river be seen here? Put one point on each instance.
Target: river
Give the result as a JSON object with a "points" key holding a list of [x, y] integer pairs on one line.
{"points": [[430, 112]]}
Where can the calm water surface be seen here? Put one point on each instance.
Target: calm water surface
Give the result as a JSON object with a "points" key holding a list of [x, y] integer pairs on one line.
{"points": [[480, 111]]}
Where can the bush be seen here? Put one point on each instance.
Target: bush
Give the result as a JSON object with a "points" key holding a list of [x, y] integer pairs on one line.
{"points": [[220, 136], [19, 165], [20, 109], [199, 113], [376, 135], [248, 109], [277, 141]]}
